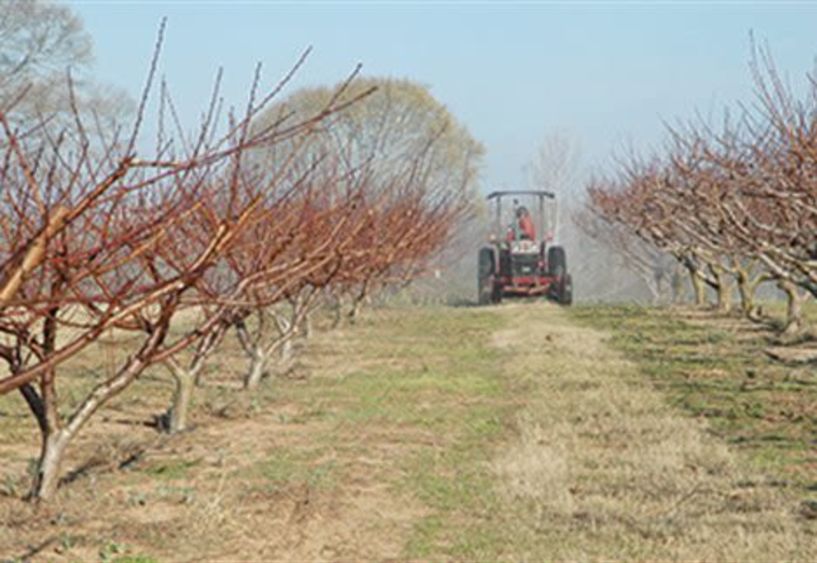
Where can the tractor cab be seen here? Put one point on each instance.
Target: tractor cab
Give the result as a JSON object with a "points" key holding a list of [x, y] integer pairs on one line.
{"points": [[521, 258]]}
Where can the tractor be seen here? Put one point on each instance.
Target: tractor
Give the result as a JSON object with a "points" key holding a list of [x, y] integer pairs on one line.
{"points": [[521, 259]]}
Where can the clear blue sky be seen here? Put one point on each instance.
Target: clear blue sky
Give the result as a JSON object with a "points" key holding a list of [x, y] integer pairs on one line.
{"points": [[604, 73]]}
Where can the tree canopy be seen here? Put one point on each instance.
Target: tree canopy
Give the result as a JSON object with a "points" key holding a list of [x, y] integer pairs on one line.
{"points": [[39, 42], [397, 128]]}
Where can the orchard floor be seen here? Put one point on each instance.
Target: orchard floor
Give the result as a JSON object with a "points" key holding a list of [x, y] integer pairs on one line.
{"points": [[518, 432]]}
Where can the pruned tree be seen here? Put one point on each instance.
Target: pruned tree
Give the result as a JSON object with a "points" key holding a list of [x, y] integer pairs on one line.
{"points": [[119, 243], [736, 205]]}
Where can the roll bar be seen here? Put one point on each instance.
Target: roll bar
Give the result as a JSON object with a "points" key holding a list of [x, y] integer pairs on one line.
{"points": [[541, 193]]}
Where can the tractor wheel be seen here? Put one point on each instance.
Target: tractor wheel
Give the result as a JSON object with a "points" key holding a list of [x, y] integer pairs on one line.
{"points": [[496, 294], [485, 276], [485, 290], [488, 291], [557, 261], [566, 290], [557, 268]]}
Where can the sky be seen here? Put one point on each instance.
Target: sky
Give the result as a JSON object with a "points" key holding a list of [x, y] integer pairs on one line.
{"points": [[604, 75]]}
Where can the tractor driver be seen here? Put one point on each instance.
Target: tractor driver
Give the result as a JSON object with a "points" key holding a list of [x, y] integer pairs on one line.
{"points": [[523, 229], [526, 224]]}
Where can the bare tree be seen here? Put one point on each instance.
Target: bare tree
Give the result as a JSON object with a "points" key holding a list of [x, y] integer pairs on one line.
{"points": [[38, 41]]}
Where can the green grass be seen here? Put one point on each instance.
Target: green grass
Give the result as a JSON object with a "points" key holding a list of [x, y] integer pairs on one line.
{"points": [[288, 467], [766, 410], [173, 469], [459, 394], [413, 412], [434, 372], [115, 552]]}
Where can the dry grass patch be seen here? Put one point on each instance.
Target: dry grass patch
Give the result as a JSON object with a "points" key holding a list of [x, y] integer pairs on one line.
{"points": [[605, 468]]}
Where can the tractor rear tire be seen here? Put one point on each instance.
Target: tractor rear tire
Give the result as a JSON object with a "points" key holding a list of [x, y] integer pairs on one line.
{"points": [[557, 261], [496, 294], [489, 292], [566, 290], [557, 269], [485, 290], [486, 267]]}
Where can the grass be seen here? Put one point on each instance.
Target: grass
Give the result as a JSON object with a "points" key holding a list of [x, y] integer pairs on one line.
{"points": [[434, 374], [718, 372], [289, 467], [409, 404], [171, 470], [460, 396], [500, 433]]}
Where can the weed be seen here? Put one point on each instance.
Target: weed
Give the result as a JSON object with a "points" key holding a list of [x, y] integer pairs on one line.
{"points": [[11, 486], [115, 552], [182, 495], [110, 550], [67, 541], [137, 498]]}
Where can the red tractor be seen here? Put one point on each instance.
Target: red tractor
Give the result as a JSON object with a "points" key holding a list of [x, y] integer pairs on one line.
{"points": [[521, 260]]}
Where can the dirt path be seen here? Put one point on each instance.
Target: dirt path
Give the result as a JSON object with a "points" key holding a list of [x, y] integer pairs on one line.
{"points": [[607, 470]]}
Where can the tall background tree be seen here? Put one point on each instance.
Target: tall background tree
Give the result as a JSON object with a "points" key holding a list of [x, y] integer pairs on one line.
{"points": [[399, 130], [42, 42]]}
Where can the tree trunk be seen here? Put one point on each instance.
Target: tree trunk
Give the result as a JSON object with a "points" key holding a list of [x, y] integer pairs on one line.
{"points": [[724, 294], [52, 453], [698, 286], [655, 291], [723, 288], [794, 307], [53, 437], [286, 352], [677, 285], [338, 320], [746, 291], [258, 365], [259, 358], [56, 438], [747, 288], [177, 414], [357, 301], [355, 310], [187, 379], [254, 351]]}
